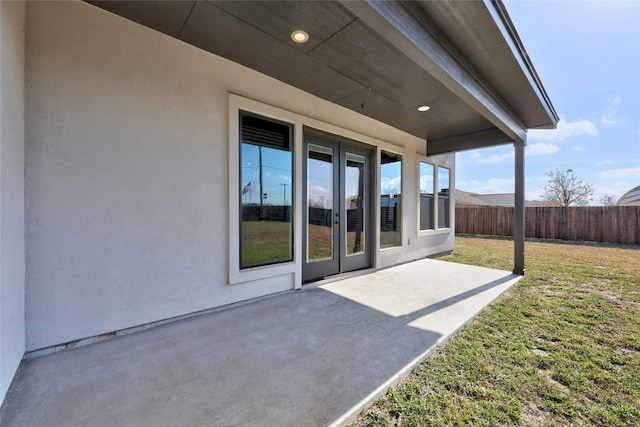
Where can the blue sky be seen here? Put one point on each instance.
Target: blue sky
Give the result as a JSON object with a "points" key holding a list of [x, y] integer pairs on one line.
{"points": [[276, 175], [587, 54]]}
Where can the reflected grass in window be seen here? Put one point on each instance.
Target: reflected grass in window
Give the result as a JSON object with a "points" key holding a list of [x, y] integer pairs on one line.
{"points": [[265, 242], [322, 238]]}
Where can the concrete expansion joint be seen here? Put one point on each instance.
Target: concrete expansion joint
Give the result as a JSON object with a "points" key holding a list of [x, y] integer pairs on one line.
{"points": [[128, 331]]}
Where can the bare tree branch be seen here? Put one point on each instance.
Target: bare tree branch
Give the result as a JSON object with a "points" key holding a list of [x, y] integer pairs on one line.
{"points": [[608, 200], [565, 189]]}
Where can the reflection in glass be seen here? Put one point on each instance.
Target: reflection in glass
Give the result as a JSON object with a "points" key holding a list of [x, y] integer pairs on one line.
{"points": [[266, 231], [426, 196], [354, 203], [320, 202], [390, 199], [443, 197]]}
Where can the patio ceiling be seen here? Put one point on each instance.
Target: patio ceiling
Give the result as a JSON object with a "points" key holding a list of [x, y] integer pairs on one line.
{"points": [[383, 60]]}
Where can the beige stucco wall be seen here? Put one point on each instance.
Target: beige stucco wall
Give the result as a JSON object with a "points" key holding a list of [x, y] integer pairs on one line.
{"points": [[127, 187], [12, 252]]}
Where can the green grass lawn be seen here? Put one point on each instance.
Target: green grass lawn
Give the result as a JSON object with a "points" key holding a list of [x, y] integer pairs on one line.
{"points": [[265, 242], [562, 347]]}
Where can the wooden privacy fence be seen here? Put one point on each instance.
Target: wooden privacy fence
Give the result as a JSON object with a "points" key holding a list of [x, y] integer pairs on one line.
{"points": [[615, 224]]}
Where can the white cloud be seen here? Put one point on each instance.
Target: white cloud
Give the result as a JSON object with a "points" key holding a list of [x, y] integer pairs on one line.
{"points": [[494, 158], [390, 185], [467, 184], [426, 183], [533, 195], [566, 130], [317, 189], [284, 178], [605, 162], [626, 173], [492, 185], [491, 155], [616, 189], [577, 148], [610, 114], [541, 149]]}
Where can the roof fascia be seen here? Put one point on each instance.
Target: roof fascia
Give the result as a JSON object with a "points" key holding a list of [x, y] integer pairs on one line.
{"points": [[403, 30], [501, 17]]}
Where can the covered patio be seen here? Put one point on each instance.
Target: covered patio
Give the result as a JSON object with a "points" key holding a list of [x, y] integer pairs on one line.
{"points": [[132, 132], [315, 356]]}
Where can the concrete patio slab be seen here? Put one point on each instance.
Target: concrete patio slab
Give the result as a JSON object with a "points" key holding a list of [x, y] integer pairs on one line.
{"points": [[312, 357]]}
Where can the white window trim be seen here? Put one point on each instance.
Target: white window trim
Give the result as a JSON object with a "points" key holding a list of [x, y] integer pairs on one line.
{"points": [[237, 275], [451, 208], [433, 231], [239, 103], [430, 231]]}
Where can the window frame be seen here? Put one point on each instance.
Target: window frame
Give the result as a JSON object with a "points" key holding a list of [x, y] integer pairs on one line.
{"points": [[448, 202], [290, 135], [403, 158], [434, 209], [238, 104], [291, 272], [435, 164]]}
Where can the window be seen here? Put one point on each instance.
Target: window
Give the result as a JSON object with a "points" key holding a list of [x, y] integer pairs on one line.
{"points": [[390, 200], [354, 203], [320, 186], [426, 196], [266, 165], [443, 197]]}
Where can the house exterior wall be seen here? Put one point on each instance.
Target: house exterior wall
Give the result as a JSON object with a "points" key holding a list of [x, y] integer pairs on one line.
{"points": [[128, 139], [12, 249]]}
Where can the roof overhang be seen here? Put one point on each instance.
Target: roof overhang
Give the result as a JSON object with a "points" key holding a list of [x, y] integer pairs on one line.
{"points": [[381, 59]]}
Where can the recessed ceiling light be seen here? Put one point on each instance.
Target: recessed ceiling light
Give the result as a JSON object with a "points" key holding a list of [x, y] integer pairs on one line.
{"points": [[300, 36], [424, 108]]}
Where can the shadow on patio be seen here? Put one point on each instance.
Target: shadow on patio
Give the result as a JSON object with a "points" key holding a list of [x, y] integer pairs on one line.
{"points": [[309, 357]]}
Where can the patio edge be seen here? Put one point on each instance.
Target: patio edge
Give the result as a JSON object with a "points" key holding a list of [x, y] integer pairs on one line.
{"points": [[368, 401]]}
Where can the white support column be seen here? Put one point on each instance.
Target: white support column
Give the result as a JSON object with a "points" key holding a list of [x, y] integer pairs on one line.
{"points": [[518, 217]]}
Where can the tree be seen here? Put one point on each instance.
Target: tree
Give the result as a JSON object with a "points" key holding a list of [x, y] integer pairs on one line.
{"points": [[564, 188], [608, 200]]}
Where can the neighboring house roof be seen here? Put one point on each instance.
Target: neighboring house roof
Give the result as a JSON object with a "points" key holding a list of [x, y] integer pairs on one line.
{"points": [[466, 198], [504, 199], [499, 199], [382, 59], [630, 198]]}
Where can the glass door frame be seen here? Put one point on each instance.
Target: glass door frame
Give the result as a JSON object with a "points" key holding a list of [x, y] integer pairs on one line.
{"points": [[340, 261]]}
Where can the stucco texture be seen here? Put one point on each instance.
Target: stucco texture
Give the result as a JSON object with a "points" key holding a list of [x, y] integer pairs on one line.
{"points": [[12, 246], [127, 178]]}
